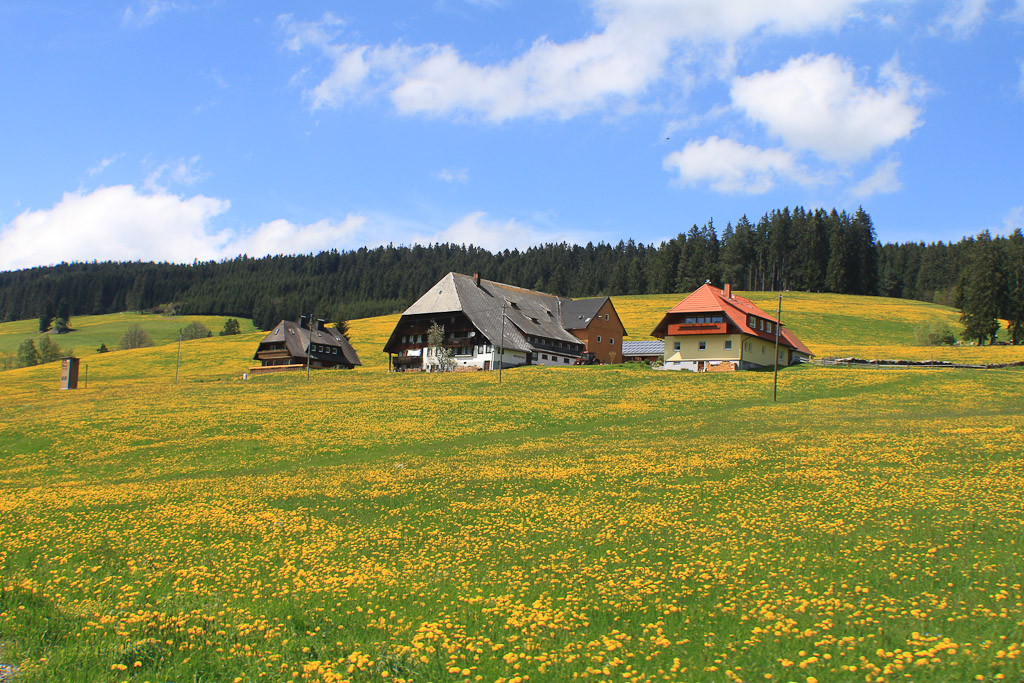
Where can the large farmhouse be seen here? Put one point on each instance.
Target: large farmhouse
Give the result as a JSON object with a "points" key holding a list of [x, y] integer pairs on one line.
{"points": [[716, 330], [289, 346], [489, 322]]}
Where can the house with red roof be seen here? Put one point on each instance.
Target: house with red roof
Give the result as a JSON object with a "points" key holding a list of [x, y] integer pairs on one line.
{"points": [[715, 330]]}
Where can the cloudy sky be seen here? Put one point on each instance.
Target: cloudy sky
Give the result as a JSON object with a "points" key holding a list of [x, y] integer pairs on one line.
{"points": [[201, 129]]}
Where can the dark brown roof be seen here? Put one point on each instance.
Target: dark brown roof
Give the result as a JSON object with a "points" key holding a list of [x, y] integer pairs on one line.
{"points": [[296, 338]]}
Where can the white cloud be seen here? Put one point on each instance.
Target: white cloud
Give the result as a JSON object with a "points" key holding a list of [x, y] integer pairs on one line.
{"points": [[100, 167], [1013, 220], [1017, 12], [731, 167], [813, 103], [617, 63], [496, 235], [961, 18], [883, 180], [184, 172], [284, 237], [453, 175], [121, 223], [115, 223], [146, 12]]}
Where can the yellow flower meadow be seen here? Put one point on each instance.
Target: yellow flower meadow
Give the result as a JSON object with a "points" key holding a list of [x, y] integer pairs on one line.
{"points": [[572, 524]]}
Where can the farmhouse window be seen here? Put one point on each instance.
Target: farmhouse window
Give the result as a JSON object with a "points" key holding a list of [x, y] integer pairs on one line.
{"points": [[675, 346], [728, 344], [598, 339], [611, 340], [544, 356], [703, 345]]}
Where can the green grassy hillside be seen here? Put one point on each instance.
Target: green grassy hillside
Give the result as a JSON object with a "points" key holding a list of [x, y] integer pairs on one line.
{"points": [[571, 524], [839, 325], [91, 331]]}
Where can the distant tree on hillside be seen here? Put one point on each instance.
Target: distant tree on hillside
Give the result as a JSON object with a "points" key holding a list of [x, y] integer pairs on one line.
{"points": [[231, 327], [49, 350], [102, 349], [1014, 309], [28, 354], [340, 320], [982, 292], [135, 337], [45, 321], [195, 330], [60, 326]]}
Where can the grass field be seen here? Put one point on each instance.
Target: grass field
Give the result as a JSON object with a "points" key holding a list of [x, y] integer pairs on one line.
{"points": [[90, 331], [593, 524]]}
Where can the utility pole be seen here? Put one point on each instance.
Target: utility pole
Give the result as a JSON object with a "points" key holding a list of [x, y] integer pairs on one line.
{"points": [[177, 368], [775, 379], [309, 346], [501, 352]]}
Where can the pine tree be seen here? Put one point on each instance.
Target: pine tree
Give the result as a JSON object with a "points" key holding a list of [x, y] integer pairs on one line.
{"points": [[1014, 300], [982, 292], [339, 319], [231, 327]]}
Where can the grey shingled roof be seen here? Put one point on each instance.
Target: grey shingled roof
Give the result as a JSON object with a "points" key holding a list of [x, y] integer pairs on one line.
{"points": [[527, 313], [296, 339], [577, 314]]}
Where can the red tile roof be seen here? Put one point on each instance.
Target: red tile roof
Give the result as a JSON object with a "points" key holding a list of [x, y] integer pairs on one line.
{"points": [[710, 299]]}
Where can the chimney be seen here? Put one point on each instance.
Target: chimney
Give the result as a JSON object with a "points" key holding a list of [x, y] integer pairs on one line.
{"points": [[320, 323], [476, 279], [304, 321], [728, 291]]}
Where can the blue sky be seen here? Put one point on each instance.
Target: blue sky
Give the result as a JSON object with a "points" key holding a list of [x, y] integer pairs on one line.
{"points": [[200, 129]]}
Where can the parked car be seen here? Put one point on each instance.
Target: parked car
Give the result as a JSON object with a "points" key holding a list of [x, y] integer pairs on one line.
{"points": [[588, 358]]}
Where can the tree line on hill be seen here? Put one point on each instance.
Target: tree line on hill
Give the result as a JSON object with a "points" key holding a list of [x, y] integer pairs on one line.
{"points": [[799, 249]]}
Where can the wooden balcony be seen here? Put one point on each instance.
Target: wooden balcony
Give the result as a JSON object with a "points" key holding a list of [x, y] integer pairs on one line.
{"points": [[407, 361], [682, 329], [460, 341]]}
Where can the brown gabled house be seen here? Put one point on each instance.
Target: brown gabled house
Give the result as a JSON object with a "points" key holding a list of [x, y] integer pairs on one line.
{"points": [[597, 325], [291, 345]]}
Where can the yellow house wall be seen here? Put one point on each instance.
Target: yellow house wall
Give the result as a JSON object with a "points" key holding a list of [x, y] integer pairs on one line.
{"points": [[756, 350], [744, 348], [689, 347]]}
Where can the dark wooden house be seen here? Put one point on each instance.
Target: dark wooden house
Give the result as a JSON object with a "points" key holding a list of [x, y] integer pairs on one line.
{"points": [[289, 345]]}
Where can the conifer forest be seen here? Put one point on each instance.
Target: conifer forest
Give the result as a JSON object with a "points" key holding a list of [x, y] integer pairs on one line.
{"points": [[810, 250]]}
